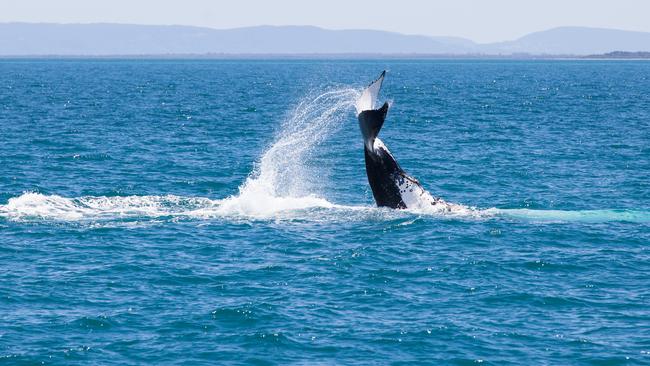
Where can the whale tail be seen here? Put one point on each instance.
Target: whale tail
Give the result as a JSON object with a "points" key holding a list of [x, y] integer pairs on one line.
{"points": [[370, 123], [368, 98], [371, 119]]}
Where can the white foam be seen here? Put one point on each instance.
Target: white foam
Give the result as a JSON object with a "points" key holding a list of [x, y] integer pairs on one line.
{"points": [[35, 205], [139, 211]]}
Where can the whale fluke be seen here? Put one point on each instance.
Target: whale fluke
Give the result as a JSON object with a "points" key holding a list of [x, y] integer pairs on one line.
{"points": [[391, 186], [369, 96], [370, 122]]}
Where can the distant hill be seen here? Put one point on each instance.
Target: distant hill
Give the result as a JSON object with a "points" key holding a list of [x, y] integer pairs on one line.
{"points": [[42, 39], [573, 41], [122, 39]]}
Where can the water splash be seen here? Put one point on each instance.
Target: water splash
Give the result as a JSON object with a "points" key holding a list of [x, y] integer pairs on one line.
{"points": [[283, 179]]}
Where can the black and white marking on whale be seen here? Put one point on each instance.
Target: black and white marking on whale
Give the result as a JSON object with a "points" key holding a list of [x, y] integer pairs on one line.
{"points": [[391, 186]]}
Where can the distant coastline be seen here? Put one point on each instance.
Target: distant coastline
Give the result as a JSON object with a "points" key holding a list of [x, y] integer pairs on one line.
{"points": [[621, 55], [101, 40]]}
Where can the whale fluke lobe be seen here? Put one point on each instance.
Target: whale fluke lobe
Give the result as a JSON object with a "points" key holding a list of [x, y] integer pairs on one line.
{"points": [[368, 98], [391, 186], [370, 122]]}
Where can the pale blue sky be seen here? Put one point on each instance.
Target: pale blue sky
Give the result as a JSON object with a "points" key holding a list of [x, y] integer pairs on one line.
{"points": [[482, 21]]}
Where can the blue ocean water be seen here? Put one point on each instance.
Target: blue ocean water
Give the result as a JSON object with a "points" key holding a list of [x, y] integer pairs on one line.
{"points": [[217, 212]]}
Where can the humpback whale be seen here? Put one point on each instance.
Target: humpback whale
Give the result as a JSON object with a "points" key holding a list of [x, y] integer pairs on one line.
{"points": [[391, 186]]}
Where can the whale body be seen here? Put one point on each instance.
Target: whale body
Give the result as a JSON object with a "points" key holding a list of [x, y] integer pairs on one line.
{"points": [[391, 185]]}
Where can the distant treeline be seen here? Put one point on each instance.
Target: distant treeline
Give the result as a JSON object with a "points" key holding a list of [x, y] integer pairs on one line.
{"points": [[623, 54]]}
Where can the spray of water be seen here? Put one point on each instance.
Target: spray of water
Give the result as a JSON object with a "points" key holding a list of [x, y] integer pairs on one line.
{"points": [[283, 178]]}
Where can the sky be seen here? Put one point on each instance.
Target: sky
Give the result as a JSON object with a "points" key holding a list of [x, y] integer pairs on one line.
{"points": [[479, 20]]}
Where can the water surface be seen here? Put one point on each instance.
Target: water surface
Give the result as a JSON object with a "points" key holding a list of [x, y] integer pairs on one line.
{"points": [[217, 212]]}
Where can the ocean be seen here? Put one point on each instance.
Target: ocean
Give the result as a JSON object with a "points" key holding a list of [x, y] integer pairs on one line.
{"points": [[188, 212]]}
